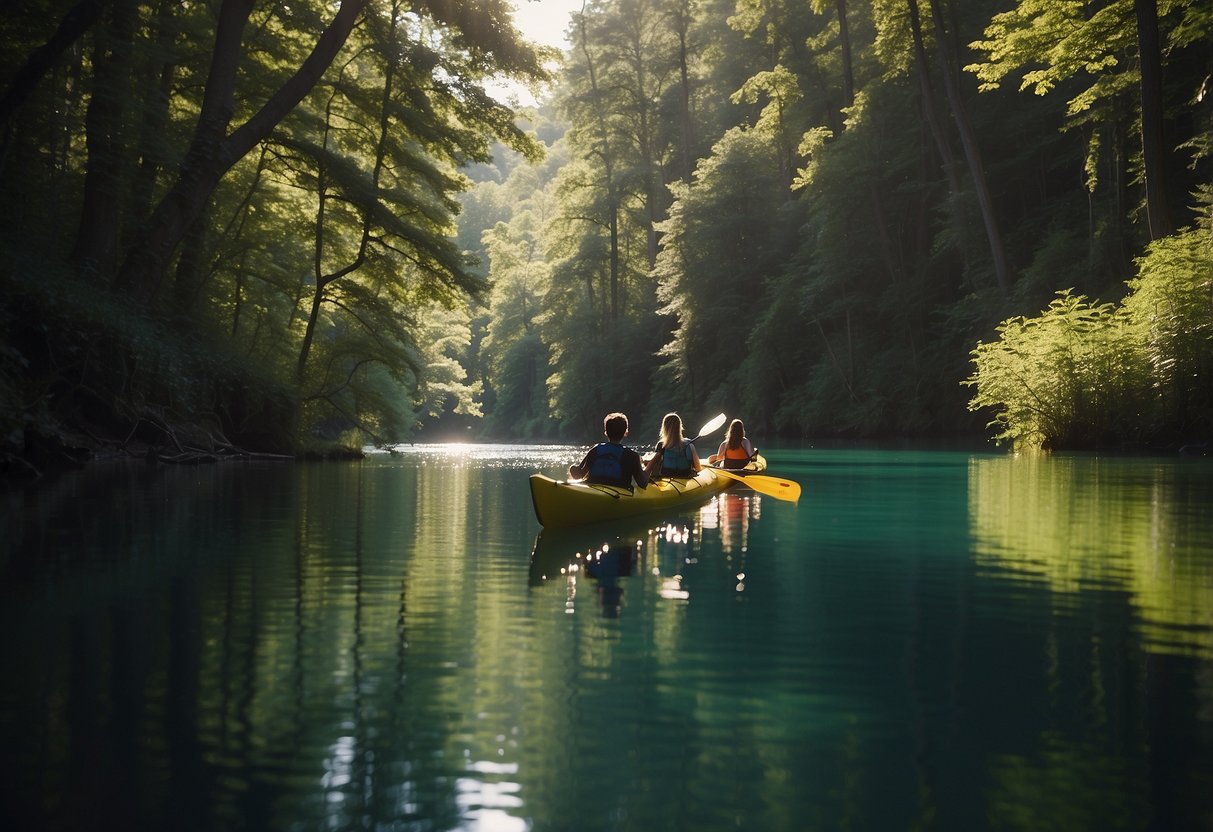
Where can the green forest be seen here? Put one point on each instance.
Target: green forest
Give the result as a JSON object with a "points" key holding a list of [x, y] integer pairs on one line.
{"points": [[236, 227]]}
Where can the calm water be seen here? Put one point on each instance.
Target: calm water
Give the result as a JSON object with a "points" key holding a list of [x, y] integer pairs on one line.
{"points": [[928, 640]]}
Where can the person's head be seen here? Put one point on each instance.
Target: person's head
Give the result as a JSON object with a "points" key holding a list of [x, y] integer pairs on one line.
{"points": [[671, 430], [615, 426], [736, 433]]}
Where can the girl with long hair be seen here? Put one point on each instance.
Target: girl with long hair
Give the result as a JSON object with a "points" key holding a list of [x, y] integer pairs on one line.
{"points": [[675, 456], [736, 450]]}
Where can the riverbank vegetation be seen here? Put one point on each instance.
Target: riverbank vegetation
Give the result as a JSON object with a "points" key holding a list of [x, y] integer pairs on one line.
{"points": [[230, 224], [233, 225], [1084, 374], [808, 214]]}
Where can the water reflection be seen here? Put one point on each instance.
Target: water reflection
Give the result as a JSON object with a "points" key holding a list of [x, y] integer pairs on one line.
{"points": [[602, 554], [389, 645], [1089, 524], [664, 550], [730, 514]]}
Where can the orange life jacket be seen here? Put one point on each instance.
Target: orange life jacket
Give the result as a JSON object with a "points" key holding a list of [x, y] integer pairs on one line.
{"points": [[736, 453], [735, 457]]}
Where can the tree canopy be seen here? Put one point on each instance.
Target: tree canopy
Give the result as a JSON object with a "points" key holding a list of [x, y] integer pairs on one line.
{"points": [[261, 197], [241, 224], [867, 200]]}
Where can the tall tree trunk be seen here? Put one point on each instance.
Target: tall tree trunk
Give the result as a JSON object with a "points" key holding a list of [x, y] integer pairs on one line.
{"points": [[323, 280], [686, 132], [844, 44], [884, 244], [654, 188], [972, 151], [203, 166], [79, 19], [157, 78], [211, 154], [96, 248], [1153, 143], [929, 108], [234, 230], [608, 169], [309, 332], [1122, 177], [188, 280], [614, 229], [238, 295]]}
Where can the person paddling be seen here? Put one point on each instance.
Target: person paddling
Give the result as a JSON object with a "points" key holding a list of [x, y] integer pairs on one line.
{"points": [[610, 463], [675, 455], [736, 450]]}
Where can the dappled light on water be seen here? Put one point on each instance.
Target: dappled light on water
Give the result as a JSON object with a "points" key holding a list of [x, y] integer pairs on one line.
{"points": [[544, 458]]}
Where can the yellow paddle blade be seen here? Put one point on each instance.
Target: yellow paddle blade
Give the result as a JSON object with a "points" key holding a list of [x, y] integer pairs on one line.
{"points": [[776, 487]]}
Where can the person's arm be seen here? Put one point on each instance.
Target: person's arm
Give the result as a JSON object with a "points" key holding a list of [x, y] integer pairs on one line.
{"points": [[653, 466], [719, 455], [638, 472], [696, 465], [580, 472], [750, 449]]}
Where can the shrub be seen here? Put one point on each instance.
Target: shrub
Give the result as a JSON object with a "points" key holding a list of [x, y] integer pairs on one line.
{"points": [[1084, 374]]}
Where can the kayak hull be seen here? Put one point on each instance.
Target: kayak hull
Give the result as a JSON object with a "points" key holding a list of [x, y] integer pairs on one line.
{"points": [[559, 504]]}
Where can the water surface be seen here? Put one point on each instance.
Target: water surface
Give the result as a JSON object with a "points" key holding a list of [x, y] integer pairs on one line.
{"points": [[933, 640]]}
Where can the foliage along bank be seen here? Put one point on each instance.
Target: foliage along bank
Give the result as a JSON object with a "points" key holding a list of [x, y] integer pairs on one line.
{"points": [[229, 224], [1084, 374], [232, 226], [807, 215]]}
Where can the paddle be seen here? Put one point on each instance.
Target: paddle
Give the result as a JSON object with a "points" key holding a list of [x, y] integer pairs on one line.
{"points": [[777, 487], [712, 426]]}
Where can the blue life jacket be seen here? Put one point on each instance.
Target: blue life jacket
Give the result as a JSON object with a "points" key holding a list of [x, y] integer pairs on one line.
{"points": [[676, 462], [607, 465]]}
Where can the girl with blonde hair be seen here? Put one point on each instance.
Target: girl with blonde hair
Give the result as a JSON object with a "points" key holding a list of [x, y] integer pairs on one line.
{"points": [[675, 456]]}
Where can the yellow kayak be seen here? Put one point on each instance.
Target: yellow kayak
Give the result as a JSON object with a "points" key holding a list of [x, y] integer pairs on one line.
{"points": [[560, 504]]}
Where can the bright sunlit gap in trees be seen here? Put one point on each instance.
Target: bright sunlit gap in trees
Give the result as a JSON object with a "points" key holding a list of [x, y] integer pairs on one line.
{"points": [[545, 21], [539, 21]]}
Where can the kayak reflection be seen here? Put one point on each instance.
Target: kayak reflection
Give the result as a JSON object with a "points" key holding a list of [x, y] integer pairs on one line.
{"points": [[606, 553], [730, 515], [598, 556]]}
